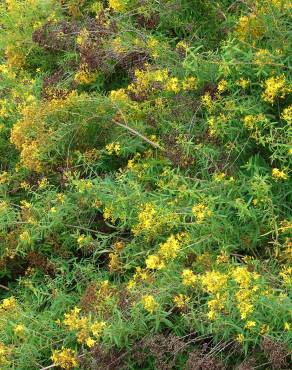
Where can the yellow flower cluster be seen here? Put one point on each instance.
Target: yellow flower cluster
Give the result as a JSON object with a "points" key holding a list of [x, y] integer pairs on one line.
{"points": [[113, 148], [278, 174], [146, 79], [149, 303], [219, 176], [216, 305], [84, 77], [82, 37], [114, 262], [245, 294], [274, 87], [251, 121], [167, 251], [117, 46], [119, 96], [250, 325], [214, 281], [240, 338], [207, 101], [19, 330], [286, 275], [15, 59], [66, 358], [118, 5], [154, 262], [4, 206], [8, 304], [170, 248], [83, 185], [108, 214], [181, 300], [141, 275], [222, 86], [287, 114], [152, 80], [254, 123], [249, 26], [84, 240], [4, 355], [86, 332], [201, 212], [188, 277], [4, 177], [243, 83], [30, 134], [172, 85], [147, 219]]}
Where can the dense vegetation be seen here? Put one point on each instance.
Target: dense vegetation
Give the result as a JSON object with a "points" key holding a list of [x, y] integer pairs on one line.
{"points": [[145, 184]]}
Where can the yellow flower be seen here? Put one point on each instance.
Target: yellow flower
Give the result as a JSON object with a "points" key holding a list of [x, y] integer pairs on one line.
{"points": [[114, 262], [154, 262], [278, 174], [53, 210], [207, 101], [287, 326], [240, 338], [287, 114], [113, 148], [214, 281], [119, 96], [131, 284], [3, 177], [243, 83], [82, 37], [84, 240], [172, 85], [188, 277], [107, 213], [219, 176], [170, 248], [264, 329], [189, 83], [118, 5], [97, 328], [24, 185], [242, 276], [117, 46], [72, 320], [274, 87], [180, 300], [4, 355], [90, 342], [4, 206], [149, 303], [61, 198], [249, 26], [251, 122], [201, 211], [222, 86], [147, 218], [222, 257], [250, 324], [43, 183], [19, 330], [8, 304], [119, 246], [25, 237], [286, 275], [84, 76], [65, 358]]}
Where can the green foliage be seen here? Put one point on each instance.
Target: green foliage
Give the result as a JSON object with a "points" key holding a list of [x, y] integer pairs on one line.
{"points": [[145, 184]]}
